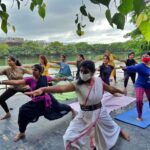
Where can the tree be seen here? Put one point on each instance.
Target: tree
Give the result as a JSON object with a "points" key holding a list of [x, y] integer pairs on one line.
{"points": [[3, 49], [70, 49], [138, 9], [55, 48], [32, 48], [4, 14]]}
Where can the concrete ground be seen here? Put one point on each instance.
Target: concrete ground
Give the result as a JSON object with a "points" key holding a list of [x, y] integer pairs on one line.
{"points": [[47, 135]]}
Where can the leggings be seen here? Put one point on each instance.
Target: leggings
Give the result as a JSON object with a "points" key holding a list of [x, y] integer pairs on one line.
{"points": [[139, 99], [7, 94], [126, 78]]}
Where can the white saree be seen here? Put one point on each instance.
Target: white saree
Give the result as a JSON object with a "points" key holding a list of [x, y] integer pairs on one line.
{"points": [[97, 124]]}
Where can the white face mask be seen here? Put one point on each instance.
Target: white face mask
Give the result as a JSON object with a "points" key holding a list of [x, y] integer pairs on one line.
{"points": [[85, 77]]}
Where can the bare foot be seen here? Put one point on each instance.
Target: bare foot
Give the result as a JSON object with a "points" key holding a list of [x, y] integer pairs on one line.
{"points": [[19, 136], [139, 119], [125, 135], [8, 115]]}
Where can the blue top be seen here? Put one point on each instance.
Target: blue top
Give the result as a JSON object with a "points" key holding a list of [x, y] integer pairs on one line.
{"points": [[143, 71], [105, 72], [64, 69]]}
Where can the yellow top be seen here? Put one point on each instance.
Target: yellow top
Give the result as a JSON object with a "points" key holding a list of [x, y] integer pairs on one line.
{"points": [[46, 68], [112, 58], [45, 72]]}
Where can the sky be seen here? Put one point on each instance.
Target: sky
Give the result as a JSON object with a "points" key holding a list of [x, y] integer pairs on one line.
{"points": [[59, 25]]}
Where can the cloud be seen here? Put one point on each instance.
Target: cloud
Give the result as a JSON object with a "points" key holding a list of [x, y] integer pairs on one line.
{"points": [[59, 23]]}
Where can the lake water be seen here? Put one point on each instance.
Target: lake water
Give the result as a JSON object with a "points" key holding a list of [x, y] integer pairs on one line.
{"points": [[33, 60]]}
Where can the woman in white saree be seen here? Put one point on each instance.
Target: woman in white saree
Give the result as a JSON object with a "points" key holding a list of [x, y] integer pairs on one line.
{"points": [[92, 123]]}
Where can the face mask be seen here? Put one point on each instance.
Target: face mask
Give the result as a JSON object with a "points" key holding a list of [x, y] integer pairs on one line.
{"points": [[146, 60], [85, 77]]}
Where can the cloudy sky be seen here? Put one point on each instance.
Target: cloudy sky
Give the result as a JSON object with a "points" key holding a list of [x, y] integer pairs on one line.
{"points": [[59, 25]]}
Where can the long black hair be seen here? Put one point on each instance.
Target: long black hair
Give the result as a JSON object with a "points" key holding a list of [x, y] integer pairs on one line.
{"points": [[17, 62], [87, 64], [38, 67], [131, 54], [82, 56]]}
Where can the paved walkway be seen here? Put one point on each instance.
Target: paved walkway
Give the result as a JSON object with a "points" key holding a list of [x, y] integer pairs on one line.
{"points": [[47, 135]]}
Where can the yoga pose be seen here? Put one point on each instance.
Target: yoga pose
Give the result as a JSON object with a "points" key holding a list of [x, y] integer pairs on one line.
{"points": [[80, 59], [93, 121], [64, 68], [129, 62], [105, 70], [44, 105], [112, 58], [45, 64], [142, 83], [14, 72]]}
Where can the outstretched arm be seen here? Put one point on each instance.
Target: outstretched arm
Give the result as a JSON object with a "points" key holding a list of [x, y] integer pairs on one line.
{"points": [[53, 89], [27, 66], [56, 62], [133, 68], [54, 66], [72, 62], [59, 79], [28, 71], [13, 82], [112, 89]]}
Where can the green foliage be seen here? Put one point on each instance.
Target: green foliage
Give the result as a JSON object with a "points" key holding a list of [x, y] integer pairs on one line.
{"points": [[83, 10], [42, 10], [4, 16], [138, 9], [145, 29], [141, 21], [4, 49], [108, 16], [91, 18], [104, 2], [129, 6], [55, 48], [79, 30], [133, 7], [33, 49], [119, 20], [139, 6]]}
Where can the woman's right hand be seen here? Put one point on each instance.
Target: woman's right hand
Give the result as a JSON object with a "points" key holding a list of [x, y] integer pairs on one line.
{"points": [[34, 93]]}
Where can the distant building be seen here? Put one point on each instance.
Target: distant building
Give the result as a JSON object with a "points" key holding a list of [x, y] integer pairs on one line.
{"points": [[12, 41]]}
